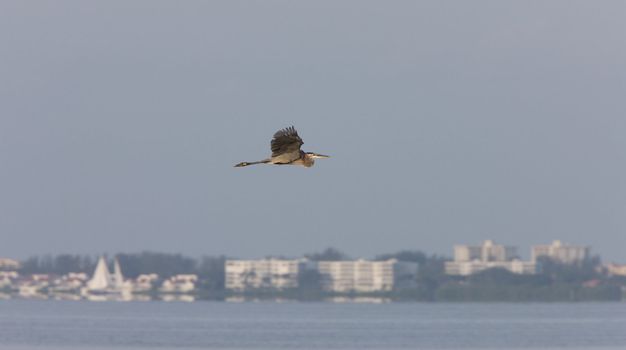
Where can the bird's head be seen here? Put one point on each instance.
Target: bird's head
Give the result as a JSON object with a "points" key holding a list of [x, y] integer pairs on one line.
{"points": [[316, 155]]}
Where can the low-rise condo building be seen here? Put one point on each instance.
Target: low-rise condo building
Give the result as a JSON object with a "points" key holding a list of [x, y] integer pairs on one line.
{"points": [[264, 273], [366, 276]]}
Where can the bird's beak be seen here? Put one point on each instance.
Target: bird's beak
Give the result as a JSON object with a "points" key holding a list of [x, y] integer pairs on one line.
{"points": [[321, 156]]}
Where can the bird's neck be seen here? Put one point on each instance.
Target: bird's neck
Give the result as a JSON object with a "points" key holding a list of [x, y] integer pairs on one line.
{"points": [[308, 161]]}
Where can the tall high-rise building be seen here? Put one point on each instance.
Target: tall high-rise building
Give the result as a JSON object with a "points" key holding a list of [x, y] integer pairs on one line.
{"points": [[565, 253], [471, 259], [488, 251]]}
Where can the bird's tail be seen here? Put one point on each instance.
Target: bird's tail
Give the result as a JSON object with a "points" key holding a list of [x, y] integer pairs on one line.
{"points": [[242, 164]]}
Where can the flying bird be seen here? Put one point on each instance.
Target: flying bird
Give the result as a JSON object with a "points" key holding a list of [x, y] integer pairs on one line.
{"points": [[286, 151]]}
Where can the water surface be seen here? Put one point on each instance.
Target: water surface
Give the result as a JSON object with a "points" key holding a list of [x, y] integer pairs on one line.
{"points": [[268, 325]]}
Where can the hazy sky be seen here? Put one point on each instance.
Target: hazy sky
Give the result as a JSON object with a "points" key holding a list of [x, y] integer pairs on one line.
{"points": [[447, 122]]}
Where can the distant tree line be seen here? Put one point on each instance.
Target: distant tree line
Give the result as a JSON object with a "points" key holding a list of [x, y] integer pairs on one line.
{"points": [[59, 264], [554, 282], [330, 254]]}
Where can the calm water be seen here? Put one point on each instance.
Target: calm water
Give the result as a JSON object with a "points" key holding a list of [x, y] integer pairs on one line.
{"points": [[266, 325]]}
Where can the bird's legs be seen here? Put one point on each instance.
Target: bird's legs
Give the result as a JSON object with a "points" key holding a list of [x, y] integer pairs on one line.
{"points": [[242, 164]]}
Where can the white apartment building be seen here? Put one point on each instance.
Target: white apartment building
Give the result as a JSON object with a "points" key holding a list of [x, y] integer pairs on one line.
{"points": [[265, 273], [366, 276], [471, 259], [466, 268], [565, 253]]}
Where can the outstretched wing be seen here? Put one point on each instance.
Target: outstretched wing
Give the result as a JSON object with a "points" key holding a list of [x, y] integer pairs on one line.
{"points": [[286, 145]]}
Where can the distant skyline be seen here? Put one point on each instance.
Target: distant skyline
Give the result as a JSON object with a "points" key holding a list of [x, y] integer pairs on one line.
{"points": [[447, 123]]}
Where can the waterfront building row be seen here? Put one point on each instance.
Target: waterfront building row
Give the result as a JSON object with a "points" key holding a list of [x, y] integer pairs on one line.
{"points": [[335, 276], [101, 283], [469, 260]]}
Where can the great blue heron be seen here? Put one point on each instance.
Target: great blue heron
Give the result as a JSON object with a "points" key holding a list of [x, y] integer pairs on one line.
{"points": [[286, 150]]}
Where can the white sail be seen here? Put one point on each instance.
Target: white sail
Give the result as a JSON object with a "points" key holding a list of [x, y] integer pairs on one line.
{"points": [[118, 278], [101, 277]]}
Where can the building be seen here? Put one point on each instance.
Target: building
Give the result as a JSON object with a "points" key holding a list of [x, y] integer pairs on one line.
{"points": [[145, 282], [69, 283], [8, 278], [265, 273], [180, 284], [613, 269], [466, 268], [472, 259], [366, 276], [34, 286], [558, 251], [488, 251], [9, 264]]}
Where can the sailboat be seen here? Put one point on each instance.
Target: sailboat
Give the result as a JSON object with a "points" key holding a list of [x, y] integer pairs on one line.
{"points": [[118, 281], [102, 283], [101, 279]]}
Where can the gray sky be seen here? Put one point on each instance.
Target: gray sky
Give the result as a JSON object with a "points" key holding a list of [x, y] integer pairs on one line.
{"points": [[448, 122]]}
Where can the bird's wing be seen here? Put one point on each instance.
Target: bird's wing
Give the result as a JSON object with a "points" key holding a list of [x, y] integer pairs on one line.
{"points": [[286, 144]]}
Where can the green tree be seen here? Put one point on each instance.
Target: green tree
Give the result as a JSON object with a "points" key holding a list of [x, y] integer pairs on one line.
{"points": [[165, 265], [59, 265], [570, 273], [329, 254], [405, 255], [309, 279], [211, 272]]}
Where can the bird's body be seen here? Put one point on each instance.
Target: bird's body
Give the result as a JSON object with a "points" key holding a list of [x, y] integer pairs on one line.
{"points": [[286, 151]]}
